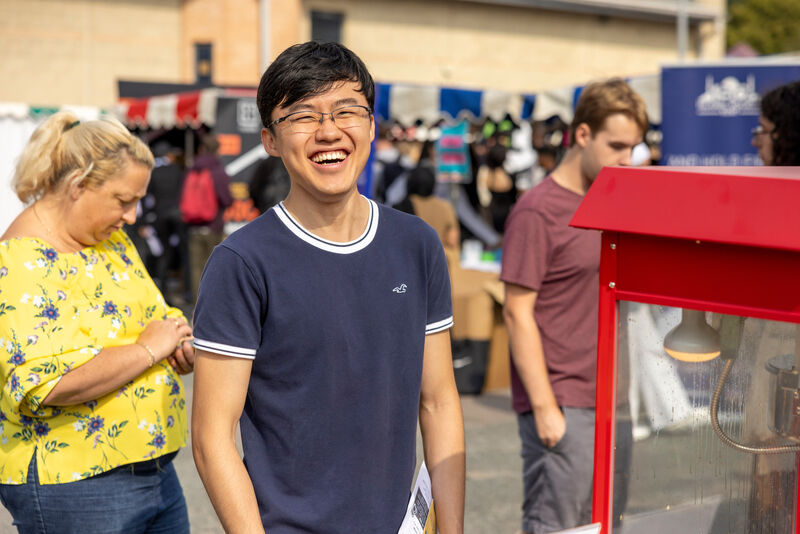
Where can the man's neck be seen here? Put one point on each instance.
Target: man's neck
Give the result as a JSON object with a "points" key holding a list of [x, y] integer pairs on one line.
{"points": [[340, 221], [568, 174]]}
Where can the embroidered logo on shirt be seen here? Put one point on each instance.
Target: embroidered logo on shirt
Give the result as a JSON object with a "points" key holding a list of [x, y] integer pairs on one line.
{"points": [[400, 289]]}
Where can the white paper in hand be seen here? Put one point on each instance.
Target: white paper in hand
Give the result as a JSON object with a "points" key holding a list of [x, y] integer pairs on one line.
{"points": [[594, 528], [420, 507]]}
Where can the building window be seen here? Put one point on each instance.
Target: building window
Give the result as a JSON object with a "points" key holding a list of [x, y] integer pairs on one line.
{"points": [[203, 67], [326, 27]]}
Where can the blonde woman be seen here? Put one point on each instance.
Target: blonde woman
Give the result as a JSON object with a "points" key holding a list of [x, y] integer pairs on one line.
{"points": [[92, 409]]}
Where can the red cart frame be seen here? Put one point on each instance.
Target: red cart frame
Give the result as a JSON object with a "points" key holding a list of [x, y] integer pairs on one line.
{"points": [[726, 240]]}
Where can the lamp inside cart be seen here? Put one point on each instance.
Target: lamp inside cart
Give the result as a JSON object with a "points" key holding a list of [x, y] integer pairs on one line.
{"points": [[698, 407]]}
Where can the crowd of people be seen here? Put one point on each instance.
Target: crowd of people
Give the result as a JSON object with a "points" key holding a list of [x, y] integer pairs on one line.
{"points": [[321, 328]]}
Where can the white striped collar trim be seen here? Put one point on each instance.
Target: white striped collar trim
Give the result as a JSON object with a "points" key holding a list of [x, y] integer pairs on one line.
{"points": [[226, 350], [357, 244]]}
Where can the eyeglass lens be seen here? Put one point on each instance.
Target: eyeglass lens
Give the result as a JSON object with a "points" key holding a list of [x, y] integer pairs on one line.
{"points": [[310, 121]]}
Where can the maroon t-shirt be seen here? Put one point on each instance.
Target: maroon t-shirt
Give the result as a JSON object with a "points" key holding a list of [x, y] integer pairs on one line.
{"points": [[562, 264]]}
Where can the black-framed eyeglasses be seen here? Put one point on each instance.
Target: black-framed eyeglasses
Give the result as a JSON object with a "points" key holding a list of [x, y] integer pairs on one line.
{"points": [[758, 130], [309, 121]]}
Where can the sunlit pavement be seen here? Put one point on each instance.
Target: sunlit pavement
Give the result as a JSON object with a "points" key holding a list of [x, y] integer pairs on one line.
{"points": [[494, 467], [493, 471]]}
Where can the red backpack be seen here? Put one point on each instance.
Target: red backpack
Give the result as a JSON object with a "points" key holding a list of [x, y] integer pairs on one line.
{"points": [[198, 198]]}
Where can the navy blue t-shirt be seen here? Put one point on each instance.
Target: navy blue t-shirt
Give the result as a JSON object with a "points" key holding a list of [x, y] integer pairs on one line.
{"points": [[337, 333]]}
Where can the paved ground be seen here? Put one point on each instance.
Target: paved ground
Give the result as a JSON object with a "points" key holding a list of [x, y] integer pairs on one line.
{"points": [[493, 472], [684, 481]]}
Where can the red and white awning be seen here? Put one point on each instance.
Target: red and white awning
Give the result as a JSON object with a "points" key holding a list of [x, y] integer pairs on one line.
{"points": [[176, 110], [403, 103]]}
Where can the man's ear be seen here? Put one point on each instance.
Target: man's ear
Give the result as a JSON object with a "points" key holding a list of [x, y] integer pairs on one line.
{"points": [[371, 128], [269, 142], [582, 134]]}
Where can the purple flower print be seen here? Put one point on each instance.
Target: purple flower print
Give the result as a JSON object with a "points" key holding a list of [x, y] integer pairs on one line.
{"points": [[109, 308], [50, 312], [18, 358], [41, 428], [95, 424], [159, 440]]}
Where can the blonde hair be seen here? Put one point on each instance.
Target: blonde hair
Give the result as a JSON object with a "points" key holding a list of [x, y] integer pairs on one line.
{"points": [[599, 100], [63, 148]]}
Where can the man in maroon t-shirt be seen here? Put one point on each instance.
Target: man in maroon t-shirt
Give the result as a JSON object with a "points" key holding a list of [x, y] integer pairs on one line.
{"points": [[551, 273]]}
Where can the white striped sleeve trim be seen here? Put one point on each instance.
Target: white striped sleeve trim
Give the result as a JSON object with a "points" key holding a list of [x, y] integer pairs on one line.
{"points": [[226, 350], [438, 326]]}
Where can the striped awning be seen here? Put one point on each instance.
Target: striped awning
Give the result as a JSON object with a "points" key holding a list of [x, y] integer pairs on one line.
{"points": [[178, 110], [402, 103]]}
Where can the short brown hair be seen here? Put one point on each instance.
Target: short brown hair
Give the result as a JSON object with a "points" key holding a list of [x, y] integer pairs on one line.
{"points": [[599, 100]]}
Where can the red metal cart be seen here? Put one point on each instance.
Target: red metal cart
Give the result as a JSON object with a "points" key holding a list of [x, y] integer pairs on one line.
{"points": [[703, 264]]}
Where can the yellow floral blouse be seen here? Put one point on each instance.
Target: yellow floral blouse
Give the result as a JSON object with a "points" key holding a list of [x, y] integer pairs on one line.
{"points": [[57, 311]]}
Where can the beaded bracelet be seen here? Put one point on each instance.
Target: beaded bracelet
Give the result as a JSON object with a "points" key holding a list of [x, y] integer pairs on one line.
{"points": [[149, 353]]}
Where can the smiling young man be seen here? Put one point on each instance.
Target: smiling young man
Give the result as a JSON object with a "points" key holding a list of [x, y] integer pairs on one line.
{"points": [[322, 328], [551, 275]]}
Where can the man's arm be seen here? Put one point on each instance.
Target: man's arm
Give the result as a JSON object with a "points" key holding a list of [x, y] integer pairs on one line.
{"points": [[528, 356], [442, 428], [220, 388]]}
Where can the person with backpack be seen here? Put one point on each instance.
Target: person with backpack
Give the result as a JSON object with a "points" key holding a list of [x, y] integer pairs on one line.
{"points": [[205, 195]]}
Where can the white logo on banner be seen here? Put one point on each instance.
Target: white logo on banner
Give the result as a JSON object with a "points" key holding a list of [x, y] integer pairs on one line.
{"points": [[247, 118], [728, 98]]}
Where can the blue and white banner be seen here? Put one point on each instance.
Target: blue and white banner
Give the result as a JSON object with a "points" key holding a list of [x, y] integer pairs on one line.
{"points": [[407, 104], [709, 111]]}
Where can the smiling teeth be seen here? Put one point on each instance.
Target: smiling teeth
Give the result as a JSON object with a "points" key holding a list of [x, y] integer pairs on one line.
{"points": [[337, 155]]}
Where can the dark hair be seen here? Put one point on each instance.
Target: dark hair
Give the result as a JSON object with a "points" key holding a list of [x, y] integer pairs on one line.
{"points": [[425, 152], [310, 69], [496, 156], [209, 144], [782, 107], [421, 182]]}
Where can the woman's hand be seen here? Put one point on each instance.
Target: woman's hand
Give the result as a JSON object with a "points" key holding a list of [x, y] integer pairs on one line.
{"points": [[163, 336], [182, 359], [113, 367]]}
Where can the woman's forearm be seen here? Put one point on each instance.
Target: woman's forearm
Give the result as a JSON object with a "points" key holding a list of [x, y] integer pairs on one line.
{"points": [[112, 368]]}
